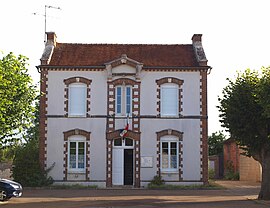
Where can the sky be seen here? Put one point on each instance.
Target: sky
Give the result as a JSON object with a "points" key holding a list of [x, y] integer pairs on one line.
{"points": [[236, 33]]}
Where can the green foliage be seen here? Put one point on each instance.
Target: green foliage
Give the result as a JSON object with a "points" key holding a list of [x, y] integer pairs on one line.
{"points": [[211, 186], [73, 186], [244, 111], [156, 181], [215, 143], [230, 174], [7, 153], [27, 169], [17, 94], [211, 173]]}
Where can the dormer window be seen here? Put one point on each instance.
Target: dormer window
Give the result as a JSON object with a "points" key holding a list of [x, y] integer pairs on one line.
{"points": [[134, 70]]}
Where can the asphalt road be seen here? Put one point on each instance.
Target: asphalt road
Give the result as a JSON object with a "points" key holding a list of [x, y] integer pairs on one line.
{"points": [[237, 194]]}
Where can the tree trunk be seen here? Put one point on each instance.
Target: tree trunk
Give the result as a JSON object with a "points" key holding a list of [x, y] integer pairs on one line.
{"points": [[265, 185]]}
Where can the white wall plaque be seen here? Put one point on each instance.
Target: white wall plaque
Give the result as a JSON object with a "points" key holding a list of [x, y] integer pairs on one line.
{"points": [[146, 162]]}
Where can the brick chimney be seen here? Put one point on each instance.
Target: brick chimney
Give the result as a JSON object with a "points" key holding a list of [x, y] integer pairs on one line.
{"points": [[49, 47], [51, 38], [198, 49], [196, 37]]}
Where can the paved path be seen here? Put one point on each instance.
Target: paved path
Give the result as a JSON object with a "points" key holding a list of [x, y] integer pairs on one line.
{"points": [[237, 195]]}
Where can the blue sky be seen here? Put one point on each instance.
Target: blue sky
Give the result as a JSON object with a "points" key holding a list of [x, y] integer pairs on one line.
{"points": [[235, 33]]}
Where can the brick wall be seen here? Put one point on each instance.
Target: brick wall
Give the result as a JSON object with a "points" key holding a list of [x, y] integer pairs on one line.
{"points": [[231, 155], [250, 169]]}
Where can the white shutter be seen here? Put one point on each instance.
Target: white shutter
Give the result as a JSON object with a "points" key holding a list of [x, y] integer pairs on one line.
{"points": [[77, 100], [169, 100]]}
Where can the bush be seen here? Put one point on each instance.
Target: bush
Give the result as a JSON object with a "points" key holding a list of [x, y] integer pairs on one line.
{"points": [[230, 174], [211, 173], [26, 167], [156, 181]]}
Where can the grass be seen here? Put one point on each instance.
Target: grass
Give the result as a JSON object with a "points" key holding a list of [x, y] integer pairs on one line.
{"points": [[74, 186], [211, 186]]}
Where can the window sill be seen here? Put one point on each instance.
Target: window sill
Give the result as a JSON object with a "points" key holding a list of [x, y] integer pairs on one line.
{"points": [[76, 171], [74, 116], [169, 172]]}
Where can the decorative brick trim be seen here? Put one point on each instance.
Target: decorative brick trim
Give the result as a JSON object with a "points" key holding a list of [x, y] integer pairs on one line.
{"points": [[43, 118], [135, 102], [177, 134], [77, 80], [137, 163], [103, 68], [125, 81], [68, 134], [166, 80], [88, 91], [130, 134], [169, 80], [204, 127], [73, 132], [170, 132]]}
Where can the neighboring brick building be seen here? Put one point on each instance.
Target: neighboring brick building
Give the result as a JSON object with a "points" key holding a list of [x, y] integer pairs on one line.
{"points": [[248, 168], [231, 155], [91, 92]]}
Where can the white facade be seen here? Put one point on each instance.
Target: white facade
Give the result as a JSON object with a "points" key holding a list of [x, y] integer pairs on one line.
{"points": [[89, 149], [149, 126]]}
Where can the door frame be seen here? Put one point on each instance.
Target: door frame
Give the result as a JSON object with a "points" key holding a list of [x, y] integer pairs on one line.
{"points": [[122, 160]]}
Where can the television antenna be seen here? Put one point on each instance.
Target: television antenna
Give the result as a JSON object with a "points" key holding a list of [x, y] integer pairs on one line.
{"points": [[45, 17]]}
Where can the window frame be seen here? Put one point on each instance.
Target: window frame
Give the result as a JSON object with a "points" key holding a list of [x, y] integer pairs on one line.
{"points": [[123, 103], [124, 143], [169, 140], [77, 139], [71, 112], [163, 109]]}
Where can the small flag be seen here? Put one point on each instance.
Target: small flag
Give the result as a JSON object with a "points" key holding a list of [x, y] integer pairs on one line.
{"points": [[125, 130]]}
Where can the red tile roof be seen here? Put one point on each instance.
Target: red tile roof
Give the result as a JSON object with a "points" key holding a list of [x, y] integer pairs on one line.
{"points": [[66, 54]]}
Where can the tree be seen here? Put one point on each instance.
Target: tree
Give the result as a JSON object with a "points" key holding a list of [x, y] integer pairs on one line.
{"points": [[27, 169], [245, 113], [17, 94], [215, 143]]}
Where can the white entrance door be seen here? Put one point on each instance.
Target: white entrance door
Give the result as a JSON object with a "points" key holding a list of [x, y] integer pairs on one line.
{"points": [[118, 166]]}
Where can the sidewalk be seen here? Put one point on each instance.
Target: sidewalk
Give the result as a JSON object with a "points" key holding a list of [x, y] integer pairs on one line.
{"points": [[236, 194], [246, 188]]}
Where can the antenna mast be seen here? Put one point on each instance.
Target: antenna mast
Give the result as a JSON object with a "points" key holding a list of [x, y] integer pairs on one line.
{"points": [[45, 18]]}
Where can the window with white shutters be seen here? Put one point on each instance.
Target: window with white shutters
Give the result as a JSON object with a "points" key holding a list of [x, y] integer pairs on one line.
{"points": [[77, 99], [169, 100]]}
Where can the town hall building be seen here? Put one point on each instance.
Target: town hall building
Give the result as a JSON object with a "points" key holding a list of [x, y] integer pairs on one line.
{"points": [[120, 114]]}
